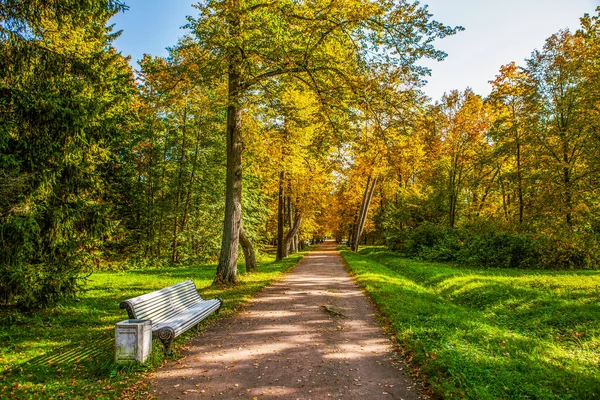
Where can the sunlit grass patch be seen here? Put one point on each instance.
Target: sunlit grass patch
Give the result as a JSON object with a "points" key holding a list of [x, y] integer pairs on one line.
{"points": [[67, 352], [490, 333]]}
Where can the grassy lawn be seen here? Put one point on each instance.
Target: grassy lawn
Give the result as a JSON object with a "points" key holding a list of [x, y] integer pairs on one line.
{"points": [[67, 352], [490, 333]]}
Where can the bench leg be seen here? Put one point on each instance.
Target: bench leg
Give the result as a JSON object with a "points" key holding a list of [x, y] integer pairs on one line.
{"points": [[166, 336], [220, 304]]}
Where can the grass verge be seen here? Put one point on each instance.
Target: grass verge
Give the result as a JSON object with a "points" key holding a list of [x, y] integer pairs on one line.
{"points": [[489, 333], [67, 352]]}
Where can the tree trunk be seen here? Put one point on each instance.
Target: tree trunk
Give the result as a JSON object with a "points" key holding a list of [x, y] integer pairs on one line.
{"points": [[364, 212], [364, 217], [281, 217], [452, 200], [290, 219], [566, 176], [568, 196], [520, 182], [186, 209], [293, 232], [150, 204], [355, 236], [179, 190], [162, 197], [227, 269], [486, 193], [249, 255], [504, 202]]}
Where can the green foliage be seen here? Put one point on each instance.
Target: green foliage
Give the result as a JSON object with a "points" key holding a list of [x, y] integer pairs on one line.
{"points": [[170, 199], [489, 333], [514, 175], [490, 245], [569, 250], [64, 97], [494, 248], [256, 213], [67, 351]]}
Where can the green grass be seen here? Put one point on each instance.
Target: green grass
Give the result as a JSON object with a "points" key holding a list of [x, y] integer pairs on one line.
{"points": [[489, 333], [67, 352]]}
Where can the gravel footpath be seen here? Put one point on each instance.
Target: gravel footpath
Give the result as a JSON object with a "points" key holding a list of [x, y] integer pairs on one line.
{"points": [[311, 335]]}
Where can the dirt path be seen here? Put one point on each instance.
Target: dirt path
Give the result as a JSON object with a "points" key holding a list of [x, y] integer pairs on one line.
{"points": [[311, 335]]}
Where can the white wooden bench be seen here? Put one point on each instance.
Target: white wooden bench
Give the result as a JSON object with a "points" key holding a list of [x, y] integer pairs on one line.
{"points": [[172, 310]]}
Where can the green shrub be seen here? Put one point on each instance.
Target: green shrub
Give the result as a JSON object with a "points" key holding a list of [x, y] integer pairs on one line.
{"points": [[491, 245], [495, 248], [569, 251], [422, 237], [447, 247]]}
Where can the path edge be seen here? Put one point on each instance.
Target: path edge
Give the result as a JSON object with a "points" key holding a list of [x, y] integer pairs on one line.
{"points": [[424, 390]]}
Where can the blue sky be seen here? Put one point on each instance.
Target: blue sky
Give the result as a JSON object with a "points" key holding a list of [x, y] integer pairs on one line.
{"points": [[497, 32]]}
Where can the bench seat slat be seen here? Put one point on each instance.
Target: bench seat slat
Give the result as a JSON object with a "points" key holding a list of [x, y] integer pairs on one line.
{"points": [[191, 317], [162, 314]]}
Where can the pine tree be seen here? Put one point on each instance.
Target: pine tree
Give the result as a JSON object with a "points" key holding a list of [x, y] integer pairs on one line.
{"points": [[64, 97]]}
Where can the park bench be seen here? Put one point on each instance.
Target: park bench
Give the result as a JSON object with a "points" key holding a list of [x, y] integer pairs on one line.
{"points": [[172, 310]]}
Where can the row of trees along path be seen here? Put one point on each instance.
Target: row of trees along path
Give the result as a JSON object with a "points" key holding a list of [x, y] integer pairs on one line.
{"points": [[311, 335]]}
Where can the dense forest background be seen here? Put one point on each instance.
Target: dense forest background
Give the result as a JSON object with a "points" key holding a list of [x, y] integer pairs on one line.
{"points": [[320, 106]]}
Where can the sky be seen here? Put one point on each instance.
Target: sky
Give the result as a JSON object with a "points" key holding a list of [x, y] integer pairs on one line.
{"points": [[496, 33]]}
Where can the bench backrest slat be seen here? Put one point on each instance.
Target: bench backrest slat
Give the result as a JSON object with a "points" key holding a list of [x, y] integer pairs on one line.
{"points": [[164, 303]]}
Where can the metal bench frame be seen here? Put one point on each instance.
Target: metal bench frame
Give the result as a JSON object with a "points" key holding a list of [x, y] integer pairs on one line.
{"points": [[172, 310]]}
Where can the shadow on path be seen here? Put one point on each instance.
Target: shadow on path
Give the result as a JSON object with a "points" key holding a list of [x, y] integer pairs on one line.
{"points": [[311, 335]]}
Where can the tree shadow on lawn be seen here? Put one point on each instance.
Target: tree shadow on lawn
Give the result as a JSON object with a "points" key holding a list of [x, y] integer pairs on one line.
{"points": [[533, 299], [65, 371], [468, 348], [88, 360], [433, 273]]}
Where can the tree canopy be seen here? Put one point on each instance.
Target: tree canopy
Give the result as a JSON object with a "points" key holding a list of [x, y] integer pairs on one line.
{"points": [[274, 124]]}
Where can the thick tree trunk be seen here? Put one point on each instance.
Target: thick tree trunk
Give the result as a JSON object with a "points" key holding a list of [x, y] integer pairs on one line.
{"points": [[281, 218], [227, 269], [249, 255]]}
